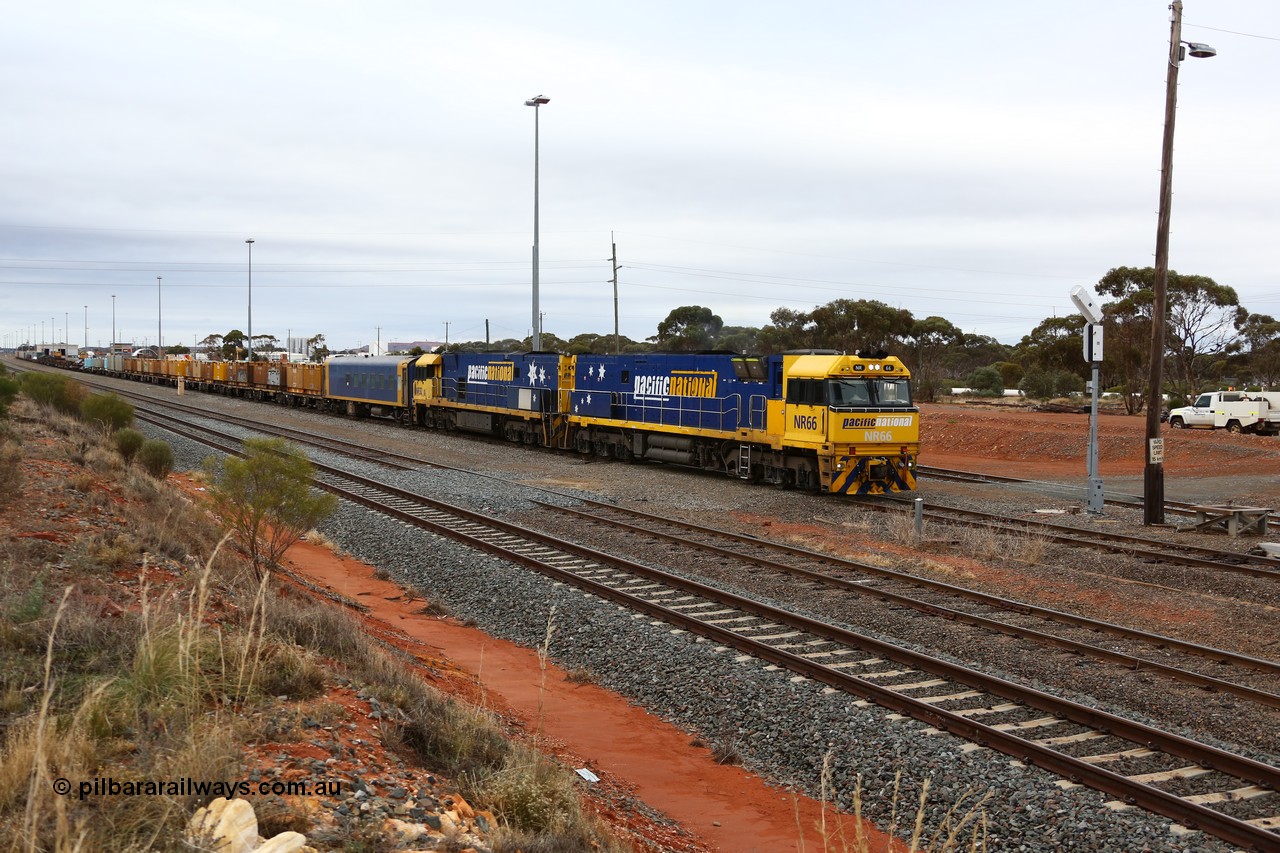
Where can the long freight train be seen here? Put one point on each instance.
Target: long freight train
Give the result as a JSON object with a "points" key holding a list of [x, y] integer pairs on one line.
{"points": [[819, 421]]}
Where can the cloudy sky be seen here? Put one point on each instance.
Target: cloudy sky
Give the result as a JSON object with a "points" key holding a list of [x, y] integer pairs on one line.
{"points": [[968, 160]]}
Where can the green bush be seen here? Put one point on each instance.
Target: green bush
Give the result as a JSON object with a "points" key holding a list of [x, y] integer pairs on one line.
{"points": [[1043, 384], [9, 388], [128, 441], [109, 410], [10, 473], [266, 497], [156, 458], [58, 392], [986, 381], [43, 388]]}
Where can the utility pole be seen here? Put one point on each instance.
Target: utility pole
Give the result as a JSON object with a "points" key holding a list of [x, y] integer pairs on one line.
{"points": [[446, 332], [486, 332], [1153, 472], [617, 348]]}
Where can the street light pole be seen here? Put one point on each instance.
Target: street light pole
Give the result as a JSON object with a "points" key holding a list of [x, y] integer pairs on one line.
{"points": [[159, 320], [113, 322], [1153, 472], [86, 327], [250, 347], [536, 103]]}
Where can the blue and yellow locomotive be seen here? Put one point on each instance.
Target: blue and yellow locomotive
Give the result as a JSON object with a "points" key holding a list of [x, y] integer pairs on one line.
{"points": [[819, 421]]}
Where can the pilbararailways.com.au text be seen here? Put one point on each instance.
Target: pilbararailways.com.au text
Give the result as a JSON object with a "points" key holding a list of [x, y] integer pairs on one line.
{"points": [[187, 787]]}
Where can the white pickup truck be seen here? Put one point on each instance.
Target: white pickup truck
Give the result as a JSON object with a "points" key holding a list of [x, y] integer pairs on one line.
{"points": [[1234, 411]]}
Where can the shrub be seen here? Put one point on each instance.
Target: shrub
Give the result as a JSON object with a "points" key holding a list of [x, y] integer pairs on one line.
{"points": [[109, 410], [266, 497], [54, 391], [1043, 384], [43, 388], [9, 388], [987, 381], [10, 473], [156, 458], [127, 442]]}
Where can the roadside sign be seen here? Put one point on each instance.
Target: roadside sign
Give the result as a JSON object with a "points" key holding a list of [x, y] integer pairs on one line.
{"points": [[1155, 450]]}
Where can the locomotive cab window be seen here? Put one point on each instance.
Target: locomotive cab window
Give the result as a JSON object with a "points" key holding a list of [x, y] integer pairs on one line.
{"points": [[892, 392], [861, 393], [807, 392], [849, 392]]}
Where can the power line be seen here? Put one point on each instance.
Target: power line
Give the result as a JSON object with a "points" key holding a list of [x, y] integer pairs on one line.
{"points": [[1187, 23]]}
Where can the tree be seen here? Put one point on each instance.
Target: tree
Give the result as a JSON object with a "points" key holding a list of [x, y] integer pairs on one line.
{"points": [[1043, 384], [1057, 343], [265, 343], [987, 381], [211, 343], [1205, 319], [233, 344], [738, 339], [688, 329], [1202, 329], [787, 330], [930, 338], [178, 349], [266, 498], [972, 351], [317, 351], [851, 325], [589, 342], [1260, 359]]}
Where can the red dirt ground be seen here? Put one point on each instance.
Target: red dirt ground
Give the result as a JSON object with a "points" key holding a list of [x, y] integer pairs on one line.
{"points": [[1050, 446], [724, 807]]}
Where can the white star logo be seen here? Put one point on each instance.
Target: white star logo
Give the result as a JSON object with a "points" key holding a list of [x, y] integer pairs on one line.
{"points": [[588, 399], [601, 376], [533, 375], [591, 371], [542, 375]]}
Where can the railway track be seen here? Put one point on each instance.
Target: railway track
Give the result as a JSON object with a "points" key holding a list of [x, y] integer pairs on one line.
{"points": [[853, 577], [1156, 550], [1070, 739], [1130, 501], [990, 613], [1197, 785]]}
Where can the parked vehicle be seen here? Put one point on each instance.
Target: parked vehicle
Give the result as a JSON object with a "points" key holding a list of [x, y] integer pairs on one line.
{"points": [[1235, 411]]}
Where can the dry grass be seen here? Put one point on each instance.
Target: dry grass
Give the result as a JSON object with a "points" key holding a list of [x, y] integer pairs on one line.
{"points": [[962, 828], [1028, 546], [172, 683]]}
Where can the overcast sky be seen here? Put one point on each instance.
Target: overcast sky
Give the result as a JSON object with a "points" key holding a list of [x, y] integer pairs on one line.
{"points": [[968, 160]]}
